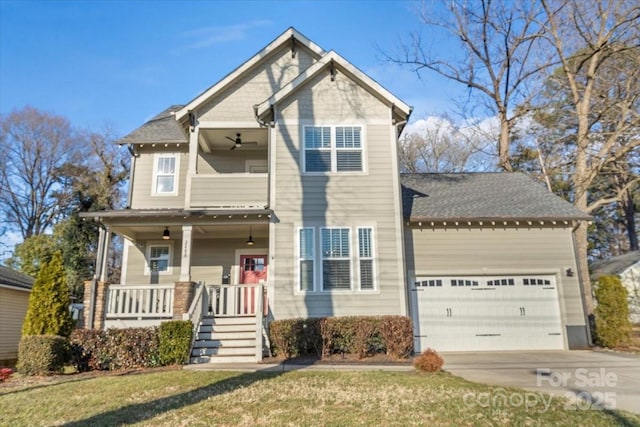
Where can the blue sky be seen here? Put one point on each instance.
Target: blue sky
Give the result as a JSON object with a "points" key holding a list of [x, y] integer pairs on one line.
{"points": [[121, 62]]}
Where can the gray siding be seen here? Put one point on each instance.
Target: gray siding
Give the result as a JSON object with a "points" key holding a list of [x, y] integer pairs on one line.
{"points": [[499, 250], [142, 197], [275, 71], [229, 191], [339, 200]]}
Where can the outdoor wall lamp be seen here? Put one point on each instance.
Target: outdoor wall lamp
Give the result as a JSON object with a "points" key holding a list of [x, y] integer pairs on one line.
{"points": [[166, 235], [250, 242], [569, 272]]}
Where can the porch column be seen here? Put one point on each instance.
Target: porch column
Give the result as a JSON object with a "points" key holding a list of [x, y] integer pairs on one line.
{"points": [[185, 258], [105, 255]]}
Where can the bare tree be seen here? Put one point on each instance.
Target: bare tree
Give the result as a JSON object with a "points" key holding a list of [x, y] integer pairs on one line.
{"points": [[437, 145], [33, 144], [597, 46], [499, 56]]}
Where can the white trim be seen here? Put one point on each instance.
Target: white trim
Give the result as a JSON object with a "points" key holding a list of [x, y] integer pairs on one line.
{"points": [[235, 74], [13, 288], [147, 256], [307, 74], [215, 124], [235, 269], [176, 175], [399, 222], [373, 258]]}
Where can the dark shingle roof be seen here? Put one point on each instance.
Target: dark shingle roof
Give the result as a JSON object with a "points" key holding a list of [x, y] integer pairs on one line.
{"points": [[615, 265], [13, 278], [466, 196], [163, 128]]}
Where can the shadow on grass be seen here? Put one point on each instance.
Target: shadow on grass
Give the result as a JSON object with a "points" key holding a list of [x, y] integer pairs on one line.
{"points": [[131, 414]]}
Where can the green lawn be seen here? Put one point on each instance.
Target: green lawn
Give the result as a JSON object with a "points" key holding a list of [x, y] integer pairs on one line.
{"points": [[188, 398]]}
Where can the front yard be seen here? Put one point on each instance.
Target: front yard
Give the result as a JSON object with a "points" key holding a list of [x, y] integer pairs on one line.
{"points": [[188, 398]]}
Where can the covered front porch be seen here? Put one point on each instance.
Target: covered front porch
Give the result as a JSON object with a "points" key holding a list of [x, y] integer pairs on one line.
{"points": [[184, 265]]}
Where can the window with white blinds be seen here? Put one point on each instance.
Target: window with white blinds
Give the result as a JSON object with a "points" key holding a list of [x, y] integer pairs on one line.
{"points": [[338, 262], [333, 149], [306, 259], [365, 255]]}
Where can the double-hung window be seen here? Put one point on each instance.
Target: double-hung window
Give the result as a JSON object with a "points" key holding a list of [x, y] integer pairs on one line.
{"points": [[165, 174], [333, 149], [307, 259], [365, 256], [158, 259], [336, 260]]}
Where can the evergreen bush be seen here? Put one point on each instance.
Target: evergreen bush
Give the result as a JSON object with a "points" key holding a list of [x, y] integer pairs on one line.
{"points": [[175, 341], [612, 312], [48, 311], [42, 354]]}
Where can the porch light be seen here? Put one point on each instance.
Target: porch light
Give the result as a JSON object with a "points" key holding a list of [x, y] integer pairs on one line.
{"points": [[250, 242], [166, 235]]}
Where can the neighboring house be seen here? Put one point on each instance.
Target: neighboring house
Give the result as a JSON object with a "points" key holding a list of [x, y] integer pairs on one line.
{"points": [[627, 267], [15, 289], [283, 178]]}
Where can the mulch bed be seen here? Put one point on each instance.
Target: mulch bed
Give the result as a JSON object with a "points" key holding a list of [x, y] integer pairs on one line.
{"points": [[340, 359]]}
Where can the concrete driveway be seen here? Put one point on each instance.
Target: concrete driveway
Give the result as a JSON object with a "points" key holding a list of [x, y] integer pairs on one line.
{"points": [[590, 379]]}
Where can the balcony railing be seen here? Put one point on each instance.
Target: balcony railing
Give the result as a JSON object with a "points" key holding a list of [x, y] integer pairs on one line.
{"points": [[145, 301], [231, 190]]}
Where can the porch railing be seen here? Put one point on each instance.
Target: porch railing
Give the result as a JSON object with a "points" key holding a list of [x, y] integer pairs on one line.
{"points": [[142, 301], [197, 310], [234, 300]]}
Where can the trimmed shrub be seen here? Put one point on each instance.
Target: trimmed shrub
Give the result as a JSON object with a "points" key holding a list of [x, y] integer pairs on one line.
{"points": [[175, 341], [360, 335], [428, 361], [397, 333], [612, 312], [48, 312], [115, 349], [295, 337], [133, 348], [88, 348], [42, 354]]}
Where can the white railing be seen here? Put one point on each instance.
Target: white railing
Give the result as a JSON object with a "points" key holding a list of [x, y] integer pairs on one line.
{"points": [[145, 301], [196, 310], [234, 300]]}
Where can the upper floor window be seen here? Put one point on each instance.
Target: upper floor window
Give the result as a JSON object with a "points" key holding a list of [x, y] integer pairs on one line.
{"points": [[165, 174], [333, 149]]}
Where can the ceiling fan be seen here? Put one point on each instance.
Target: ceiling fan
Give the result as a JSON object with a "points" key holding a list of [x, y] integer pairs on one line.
{"points": [[238, 142]]}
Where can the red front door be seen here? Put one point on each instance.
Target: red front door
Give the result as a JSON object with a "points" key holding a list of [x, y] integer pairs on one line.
{"points": [[253, 269]]}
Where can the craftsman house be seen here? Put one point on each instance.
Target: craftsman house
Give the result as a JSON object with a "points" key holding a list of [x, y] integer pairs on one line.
{"points": [[276, 194]]}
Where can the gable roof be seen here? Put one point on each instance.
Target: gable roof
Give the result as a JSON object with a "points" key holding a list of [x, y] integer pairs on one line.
{"points": [[615, 265], [14, 278], [290, 34], [323, 63], [163, 128], [475, 196]]}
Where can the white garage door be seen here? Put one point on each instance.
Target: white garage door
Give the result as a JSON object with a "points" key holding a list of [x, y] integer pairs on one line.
{"points": [[487, 313]]}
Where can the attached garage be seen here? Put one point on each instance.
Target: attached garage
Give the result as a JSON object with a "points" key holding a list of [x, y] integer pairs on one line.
{"points": [[491, 264], [488, 313]]}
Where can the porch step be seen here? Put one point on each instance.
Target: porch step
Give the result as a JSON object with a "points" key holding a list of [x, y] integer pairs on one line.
{"points": [[225, 340], [224, 359]]}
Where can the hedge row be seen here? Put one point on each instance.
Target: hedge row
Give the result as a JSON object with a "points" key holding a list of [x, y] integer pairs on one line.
{"points": [[360, 335], [90, 349]]}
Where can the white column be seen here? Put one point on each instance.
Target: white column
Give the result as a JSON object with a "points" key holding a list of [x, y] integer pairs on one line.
{"points": [[185, 257], [193, 164], [105, 255]]}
